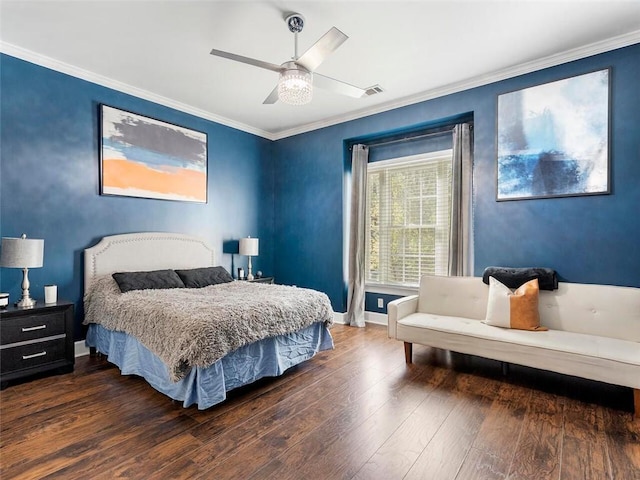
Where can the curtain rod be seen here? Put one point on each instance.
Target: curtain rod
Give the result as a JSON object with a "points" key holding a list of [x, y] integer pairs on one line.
{"points": [[409, 138]]}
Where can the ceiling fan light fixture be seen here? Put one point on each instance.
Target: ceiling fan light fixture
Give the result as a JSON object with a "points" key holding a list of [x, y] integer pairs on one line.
{"points": [[295, 86]]}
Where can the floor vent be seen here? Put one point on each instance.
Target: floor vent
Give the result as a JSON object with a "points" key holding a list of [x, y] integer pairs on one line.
{"points": [[373, 90]]}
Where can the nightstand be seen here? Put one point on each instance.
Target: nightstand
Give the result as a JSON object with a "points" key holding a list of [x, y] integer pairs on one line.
{"points": [[35, 340], [270, 280]]}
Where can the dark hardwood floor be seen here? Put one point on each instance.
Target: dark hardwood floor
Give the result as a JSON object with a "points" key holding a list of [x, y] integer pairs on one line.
{"points": [[356, 412]]}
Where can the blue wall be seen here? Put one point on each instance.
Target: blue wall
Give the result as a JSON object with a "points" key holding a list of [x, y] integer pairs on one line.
{"points": [[589, 239], [290, 193], [50, 180]]}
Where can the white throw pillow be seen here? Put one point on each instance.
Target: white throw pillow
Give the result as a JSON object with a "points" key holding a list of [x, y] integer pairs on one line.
{"points": [[517, 309], [499, 306]]}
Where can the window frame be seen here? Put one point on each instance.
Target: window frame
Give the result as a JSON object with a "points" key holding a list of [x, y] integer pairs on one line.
{"points": [[422, 159]]}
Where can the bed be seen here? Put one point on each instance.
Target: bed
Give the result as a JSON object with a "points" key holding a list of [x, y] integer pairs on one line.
{"points": [[233, 334]]}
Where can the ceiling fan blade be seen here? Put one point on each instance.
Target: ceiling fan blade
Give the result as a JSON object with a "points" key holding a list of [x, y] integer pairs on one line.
{"points": [[250, 61], [337, 86], [272, 98], [320, 50]]}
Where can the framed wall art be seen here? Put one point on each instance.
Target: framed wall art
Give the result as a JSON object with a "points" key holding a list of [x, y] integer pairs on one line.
{"points": [[148, 158], [553, 139]]}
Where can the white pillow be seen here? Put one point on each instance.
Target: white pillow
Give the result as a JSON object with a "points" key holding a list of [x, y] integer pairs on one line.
{"points": [[517, 309]]}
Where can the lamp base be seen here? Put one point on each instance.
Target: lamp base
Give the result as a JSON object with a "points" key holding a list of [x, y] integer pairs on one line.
{"points": [[249, 272], [26, 302]]}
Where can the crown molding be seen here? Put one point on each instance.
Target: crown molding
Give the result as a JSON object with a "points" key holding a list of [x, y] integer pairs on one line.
{"points": [[551, 61], [66, 68], [510, 72]]}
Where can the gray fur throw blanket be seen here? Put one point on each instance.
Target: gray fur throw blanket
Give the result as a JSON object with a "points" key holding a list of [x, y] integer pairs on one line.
{"points": [[188, 327]]}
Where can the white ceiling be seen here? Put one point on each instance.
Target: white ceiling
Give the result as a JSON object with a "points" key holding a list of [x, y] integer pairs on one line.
{"points": [[415, 50]]}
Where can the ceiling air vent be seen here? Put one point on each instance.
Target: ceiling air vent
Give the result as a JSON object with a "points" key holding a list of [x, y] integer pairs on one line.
{"points": [[374, 90]]}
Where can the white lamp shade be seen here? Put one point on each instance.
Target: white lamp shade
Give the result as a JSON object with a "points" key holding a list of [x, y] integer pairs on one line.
{"points": [[22, 252], [248, 246]]}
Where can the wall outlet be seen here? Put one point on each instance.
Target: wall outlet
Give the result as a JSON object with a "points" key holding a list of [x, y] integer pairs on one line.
{"points": [[380, 303]]}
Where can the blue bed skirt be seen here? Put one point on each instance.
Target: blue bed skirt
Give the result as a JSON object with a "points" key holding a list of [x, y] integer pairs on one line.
{"points": [[207, 386]]}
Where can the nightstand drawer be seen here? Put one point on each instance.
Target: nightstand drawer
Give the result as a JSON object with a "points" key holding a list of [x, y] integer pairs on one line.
{"points": [[31, 327], [31, 355]]}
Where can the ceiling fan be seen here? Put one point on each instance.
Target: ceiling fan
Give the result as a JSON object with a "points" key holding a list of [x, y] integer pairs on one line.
{"points": [[298, 76]]}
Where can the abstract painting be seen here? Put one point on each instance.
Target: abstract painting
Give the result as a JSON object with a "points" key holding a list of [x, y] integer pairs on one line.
{"points": [[553, 139], [143, 157]]}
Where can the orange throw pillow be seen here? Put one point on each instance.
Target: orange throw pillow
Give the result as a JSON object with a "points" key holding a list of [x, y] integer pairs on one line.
{"points": [[517, 309]]}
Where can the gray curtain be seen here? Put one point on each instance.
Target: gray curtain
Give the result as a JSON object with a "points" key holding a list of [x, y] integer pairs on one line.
{"points": [[461, 237], [357, 225]]}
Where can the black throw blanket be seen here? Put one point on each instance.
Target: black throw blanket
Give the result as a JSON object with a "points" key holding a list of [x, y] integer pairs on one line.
{"points": [[514, 277]]}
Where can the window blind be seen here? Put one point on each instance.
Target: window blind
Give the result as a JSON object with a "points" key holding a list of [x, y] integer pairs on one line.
{"points": [[408, 218]]}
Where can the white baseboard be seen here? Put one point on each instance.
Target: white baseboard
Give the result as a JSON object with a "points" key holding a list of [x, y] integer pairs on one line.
{"points": [[369, 317], [81, 349], [340, 318], [376, 318]]}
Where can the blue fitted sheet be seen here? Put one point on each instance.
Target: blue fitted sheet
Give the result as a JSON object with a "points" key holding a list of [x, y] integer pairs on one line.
{"points": [[207, 386]]}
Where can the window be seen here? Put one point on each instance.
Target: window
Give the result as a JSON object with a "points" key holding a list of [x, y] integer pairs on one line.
{"points": [[408, 218]]}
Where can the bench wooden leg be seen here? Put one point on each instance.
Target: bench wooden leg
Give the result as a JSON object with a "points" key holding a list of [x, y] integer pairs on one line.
{"points": [[92, 351], [408, 352], [636, 404]]}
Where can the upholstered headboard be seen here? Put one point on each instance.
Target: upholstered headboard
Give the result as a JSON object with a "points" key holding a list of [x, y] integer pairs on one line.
{"points": [[133, 252]]}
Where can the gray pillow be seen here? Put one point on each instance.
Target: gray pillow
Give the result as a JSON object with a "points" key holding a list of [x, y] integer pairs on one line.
{"points": [[203, 277], [155, 279]]}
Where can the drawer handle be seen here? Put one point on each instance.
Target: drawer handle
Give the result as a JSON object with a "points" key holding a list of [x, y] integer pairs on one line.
{"points": [[27, 357], [31, 329]]}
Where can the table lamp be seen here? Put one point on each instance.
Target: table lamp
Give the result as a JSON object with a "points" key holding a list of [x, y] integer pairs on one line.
{"points": [[24, 253], [249, 247]]}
